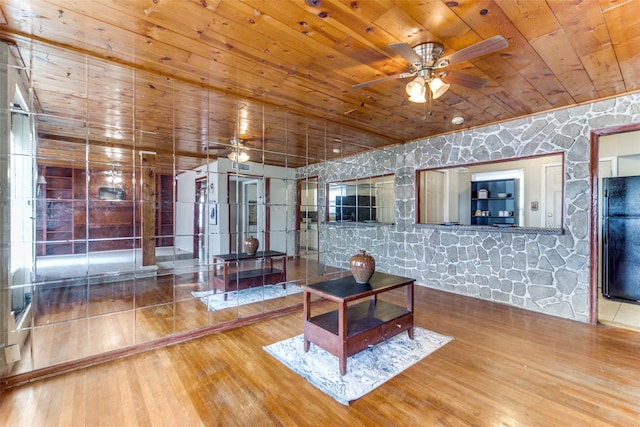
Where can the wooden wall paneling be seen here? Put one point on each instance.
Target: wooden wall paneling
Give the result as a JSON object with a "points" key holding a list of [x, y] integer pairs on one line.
{"points": [[79, 220], [59, 211], [148, 207], [165, 210]]}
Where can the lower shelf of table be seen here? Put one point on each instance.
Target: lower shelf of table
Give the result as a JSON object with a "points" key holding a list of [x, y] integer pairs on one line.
{"points": [[248, 278], [368, 323]]}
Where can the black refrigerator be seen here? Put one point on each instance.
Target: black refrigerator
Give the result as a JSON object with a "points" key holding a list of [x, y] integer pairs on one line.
{"points": [[621, 238]]}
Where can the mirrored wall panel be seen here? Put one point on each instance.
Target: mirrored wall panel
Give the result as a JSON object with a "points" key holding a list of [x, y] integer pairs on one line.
{"points": [[150, 207]]}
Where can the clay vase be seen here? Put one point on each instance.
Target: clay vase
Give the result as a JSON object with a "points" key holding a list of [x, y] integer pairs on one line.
{"points": [[250, 245], [362, 266]]}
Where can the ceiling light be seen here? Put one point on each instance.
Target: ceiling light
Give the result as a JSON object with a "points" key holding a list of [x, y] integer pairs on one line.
{"points": [[457, 120], [336, 150], [419, 99], [438, 87], [415, 88], [239, 156]]}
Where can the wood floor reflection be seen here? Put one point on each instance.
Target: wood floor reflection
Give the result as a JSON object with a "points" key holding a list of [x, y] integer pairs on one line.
{"points": [[77, 318], [506, 366]]}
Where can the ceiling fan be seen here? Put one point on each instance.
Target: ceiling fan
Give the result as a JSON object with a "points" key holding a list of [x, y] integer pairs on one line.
{"points": [[427, 65], [237, 152]]}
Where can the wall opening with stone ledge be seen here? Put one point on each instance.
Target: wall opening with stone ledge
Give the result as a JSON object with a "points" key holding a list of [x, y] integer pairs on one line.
{"points": [[547, 272]]}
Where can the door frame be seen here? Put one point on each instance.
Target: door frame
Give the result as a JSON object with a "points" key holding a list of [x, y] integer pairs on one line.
{"points": [[298, 215], [199, 230], [594, 148]]}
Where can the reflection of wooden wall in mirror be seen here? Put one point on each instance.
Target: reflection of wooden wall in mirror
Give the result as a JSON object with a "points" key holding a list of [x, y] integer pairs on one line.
{"points": [[148, 207], [65, 226], [164, 214], [455, 200]]}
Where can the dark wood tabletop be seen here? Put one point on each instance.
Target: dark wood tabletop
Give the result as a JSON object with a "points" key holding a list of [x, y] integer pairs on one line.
{"points": [[245, 256], [347, 289]]}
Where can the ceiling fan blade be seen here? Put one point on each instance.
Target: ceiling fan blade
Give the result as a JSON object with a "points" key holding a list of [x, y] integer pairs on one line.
{"points": [[465, 80], [384, 79], [223, 153], [482, 48], [256, 141], [408, 53], [218, 146]]}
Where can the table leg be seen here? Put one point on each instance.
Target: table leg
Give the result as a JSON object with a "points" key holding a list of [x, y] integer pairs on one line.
{"points": [[225, 272], [284, 272], [342, 331], [307, 316], [410, 306]]}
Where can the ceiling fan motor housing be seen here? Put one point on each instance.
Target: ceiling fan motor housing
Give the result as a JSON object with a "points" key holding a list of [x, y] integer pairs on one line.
{"points": [[429, 52]]}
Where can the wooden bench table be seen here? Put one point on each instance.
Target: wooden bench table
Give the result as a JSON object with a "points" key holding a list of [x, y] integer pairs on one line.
{"points": [[226, 279], [368, 321]]}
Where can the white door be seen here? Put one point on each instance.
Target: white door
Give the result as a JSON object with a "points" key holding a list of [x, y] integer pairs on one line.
{"points": [[433, 204], [553, 196]]}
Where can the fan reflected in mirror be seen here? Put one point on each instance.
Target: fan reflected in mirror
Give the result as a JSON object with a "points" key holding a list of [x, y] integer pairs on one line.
{"points": [[239, 156], [236, 152]]}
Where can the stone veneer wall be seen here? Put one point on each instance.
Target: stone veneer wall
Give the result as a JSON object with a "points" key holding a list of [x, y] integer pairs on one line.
{"points": [[538, 271]]}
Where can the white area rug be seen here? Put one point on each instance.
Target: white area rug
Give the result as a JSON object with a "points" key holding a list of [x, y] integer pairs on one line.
{"points": [[245, 296], [365, 370]]}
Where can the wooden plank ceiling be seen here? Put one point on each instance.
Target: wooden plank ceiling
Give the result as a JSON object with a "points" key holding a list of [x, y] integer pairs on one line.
{"points": [[179, 76]]}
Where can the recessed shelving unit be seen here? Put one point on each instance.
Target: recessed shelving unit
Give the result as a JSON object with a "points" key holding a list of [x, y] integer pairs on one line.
{"points": [[495, 202]]}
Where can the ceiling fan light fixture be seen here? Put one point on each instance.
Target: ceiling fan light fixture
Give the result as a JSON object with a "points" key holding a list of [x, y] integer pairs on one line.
{"points": [[239, 156], [418, 99], [438, 87], [415, 88]]}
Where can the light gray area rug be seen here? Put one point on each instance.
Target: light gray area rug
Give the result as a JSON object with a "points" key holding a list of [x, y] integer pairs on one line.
{"points": [[365, 370], [246, 296]]}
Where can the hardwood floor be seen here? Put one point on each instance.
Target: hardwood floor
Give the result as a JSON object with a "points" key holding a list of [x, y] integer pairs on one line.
{"points": [[506, 366]]}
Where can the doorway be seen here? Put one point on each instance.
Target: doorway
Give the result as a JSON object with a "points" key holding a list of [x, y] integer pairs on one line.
{"points": [[246, 211], [614, 152], [200, 216], [308, 235]]}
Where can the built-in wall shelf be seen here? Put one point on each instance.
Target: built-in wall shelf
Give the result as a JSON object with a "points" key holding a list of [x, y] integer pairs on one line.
{"points": [[495, 202], [73, 218]]}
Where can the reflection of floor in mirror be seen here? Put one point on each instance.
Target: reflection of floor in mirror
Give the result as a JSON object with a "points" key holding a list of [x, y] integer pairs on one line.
{"points": [[616, 313], [88, 318]]}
